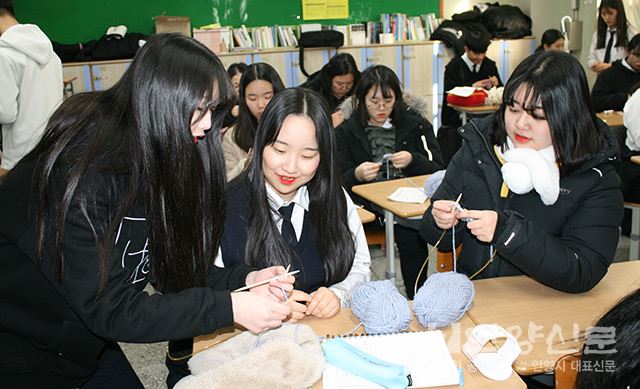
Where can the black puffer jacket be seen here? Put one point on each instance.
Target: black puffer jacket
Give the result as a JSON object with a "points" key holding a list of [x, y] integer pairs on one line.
{"points": [[567, 246], [413, 134]]}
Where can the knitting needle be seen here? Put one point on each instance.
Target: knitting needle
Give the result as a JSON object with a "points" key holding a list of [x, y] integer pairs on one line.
{"points": [[284, 294], [457, 203], [266, 281]]}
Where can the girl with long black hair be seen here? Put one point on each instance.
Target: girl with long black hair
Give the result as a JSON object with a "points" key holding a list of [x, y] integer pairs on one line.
{"points": [[288, 207], [125, 188]]}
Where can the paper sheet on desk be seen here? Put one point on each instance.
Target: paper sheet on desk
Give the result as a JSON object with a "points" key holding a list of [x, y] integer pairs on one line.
{"points": [[408, 195], [462, 91]]}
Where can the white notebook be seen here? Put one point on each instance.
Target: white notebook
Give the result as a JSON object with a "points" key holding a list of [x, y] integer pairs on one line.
{"points": [[424, 353]]}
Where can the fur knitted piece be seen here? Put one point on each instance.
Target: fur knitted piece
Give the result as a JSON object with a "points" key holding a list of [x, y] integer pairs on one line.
{"points": [[288, 357], [527, 169]]}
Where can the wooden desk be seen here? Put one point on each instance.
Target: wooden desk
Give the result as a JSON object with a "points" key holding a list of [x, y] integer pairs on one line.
{"points": [[612, 119], [474, 110], [67, 86], [548, 323], [455, 337], [635, 159], [378, 193], [365, 216]]}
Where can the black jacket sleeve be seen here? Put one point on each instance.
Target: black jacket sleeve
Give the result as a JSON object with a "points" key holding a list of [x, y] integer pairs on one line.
{"points": [[124, 313], [424, 149], [605, 95], [578, 259], [348, 149]]}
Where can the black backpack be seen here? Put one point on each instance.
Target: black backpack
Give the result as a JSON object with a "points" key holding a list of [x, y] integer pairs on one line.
{"points": [[325, 38]]}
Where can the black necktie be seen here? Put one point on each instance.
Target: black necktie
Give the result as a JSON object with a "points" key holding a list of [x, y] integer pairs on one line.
{"points": [[288, 233], [475, 68], [607, 52]]}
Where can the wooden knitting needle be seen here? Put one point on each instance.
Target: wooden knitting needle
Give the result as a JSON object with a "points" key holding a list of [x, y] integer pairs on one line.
{"points": [[266, 281]]}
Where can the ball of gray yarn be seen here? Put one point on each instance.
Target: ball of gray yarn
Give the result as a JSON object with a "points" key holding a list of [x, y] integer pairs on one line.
{"points": [[380, 307], [443, 299]]}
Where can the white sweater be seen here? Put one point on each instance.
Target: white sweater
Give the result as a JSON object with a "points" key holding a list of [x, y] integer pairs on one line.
{"points": [[31, 89]]}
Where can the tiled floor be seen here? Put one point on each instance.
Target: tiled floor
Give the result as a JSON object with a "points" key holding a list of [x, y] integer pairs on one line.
{"points": [[148, 359]]}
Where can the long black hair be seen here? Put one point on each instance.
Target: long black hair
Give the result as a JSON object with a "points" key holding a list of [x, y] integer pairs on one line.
{"points": [[622, 37], [104, 153], [327, 203], [385, 79], [245, 130], [623, 323], [549, 37], [557, 80]]}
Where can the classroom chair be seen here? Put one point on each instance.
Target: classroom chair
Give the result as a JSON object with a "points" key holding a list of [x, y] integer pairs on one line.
{"points": [[566, 371]]}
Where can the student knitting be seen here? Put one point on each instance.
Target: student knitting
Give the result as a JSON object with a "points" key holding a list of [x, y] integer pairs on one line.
{"points": [[102, 206], [612, 34], [383, 125], [473, 68], [288, 208], [258, 85], [537, 182], [612, 85], [552, 39], [335, 82]]}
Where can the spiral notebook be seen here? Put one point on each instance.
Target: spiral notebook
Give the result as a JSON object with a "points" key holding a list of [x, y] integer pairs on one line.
{"points": [[424, 353]]}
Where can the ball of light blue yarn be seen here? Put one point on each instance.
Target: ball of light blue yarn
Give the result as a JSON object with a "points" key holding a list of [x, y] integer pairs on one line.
{"points": [[380, 307], [443, 299]]}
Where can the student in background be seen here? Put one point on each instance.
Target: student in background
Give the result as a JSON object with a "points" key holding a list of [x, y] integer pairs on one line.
{"points": [[473, 68], [618, 352], [31, 83], [91, 215], [611, 89], [560, 229], [631, 171], [278, 213], [235, 72], [552, 39], [335, 81], [382, 124], [258, 85], [611, 36]]}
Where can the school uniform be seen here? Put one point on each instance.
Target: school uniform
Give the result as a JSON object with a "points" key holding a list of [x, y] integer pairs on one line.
{"points": [[306, 254], [567, 245], [460, 71], [616, 52], [613, 85]]}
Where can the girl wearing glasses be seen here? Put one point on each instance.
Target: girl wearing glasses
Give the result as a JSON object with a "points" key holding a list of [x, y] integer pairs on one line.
{"points": [[384, 138]]}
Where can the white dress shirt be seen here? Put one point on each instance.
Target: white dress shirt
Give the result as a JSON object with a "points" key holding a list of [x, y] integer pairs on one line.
{"points": [[597, 55], [360, 270]]}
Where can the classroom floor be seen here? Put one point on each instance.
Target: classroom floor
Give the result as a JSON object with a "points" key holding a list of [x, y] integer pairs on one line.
{"points": [[148, 359]]}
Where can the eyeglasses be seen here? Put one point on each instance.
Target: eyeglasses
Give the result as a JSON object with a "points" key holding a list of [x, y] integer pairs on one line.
{"points": [[381, 103]]}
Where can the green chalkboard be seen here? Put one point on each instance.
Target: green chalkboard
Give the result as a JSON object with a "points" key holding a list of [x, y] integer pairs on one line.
{"points": [[70, 21]]}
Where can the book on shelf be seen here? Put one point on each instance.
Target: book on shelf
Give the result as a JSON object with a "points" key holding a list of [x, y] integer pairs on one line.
{"points": [[357, 34]]}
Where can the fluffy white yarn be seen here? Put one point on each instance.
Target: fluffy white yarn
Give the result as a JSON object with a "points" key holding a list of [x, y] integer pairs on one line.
{"points": [[527, 169]]}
